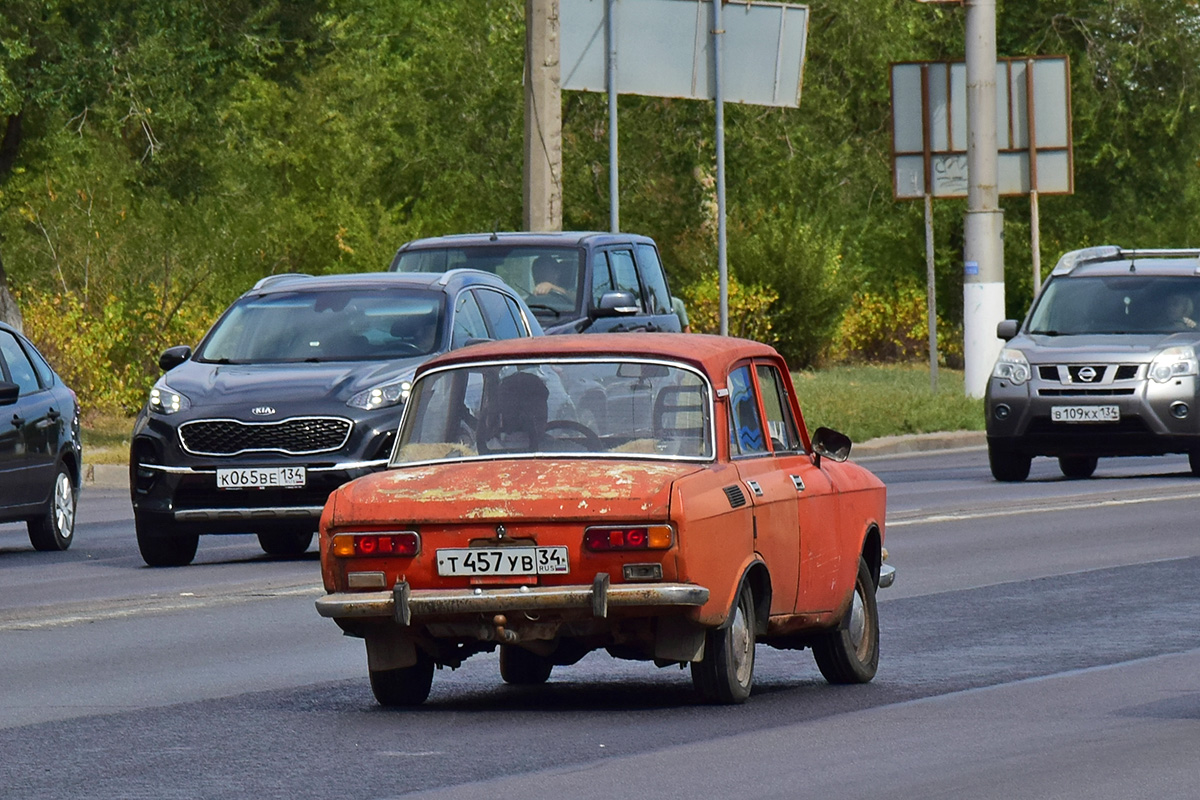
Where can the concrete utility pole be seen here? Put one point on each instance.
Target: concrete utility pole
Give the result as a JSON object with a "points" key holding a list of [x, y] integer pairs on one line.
{"points": [[983, 256], [542, 177]]}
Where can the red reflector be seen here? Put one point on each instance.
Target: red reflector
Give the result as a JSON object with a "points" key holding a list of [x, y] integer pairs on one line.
{"points": [[616, 539], [387, 544]]}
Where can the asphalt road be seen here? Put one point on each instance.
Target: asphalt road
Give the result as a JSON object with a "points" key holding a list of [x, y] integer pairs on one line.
{"points": [[1040, 641]]}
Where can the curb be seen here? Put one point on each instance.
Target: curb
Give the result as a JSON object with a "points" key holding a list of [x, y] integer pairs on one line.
{"points": [[116, 476]]}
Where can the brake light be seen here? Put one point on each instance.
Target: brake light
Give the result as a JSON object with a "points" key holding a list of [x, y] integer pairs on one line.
{"points": [[389, 543], [652, 537]]}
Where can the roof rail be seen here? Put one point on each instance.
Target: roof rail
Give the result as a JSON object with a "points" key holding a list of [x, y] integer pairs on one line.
{"points": [[450, 274], [272, 279], [1074, 258]]}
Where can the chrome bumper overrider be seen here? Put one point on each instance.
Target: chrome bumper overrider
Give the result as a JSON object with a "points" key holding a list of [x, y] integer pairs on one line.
{"points": [[403, 604], [887, 576]]}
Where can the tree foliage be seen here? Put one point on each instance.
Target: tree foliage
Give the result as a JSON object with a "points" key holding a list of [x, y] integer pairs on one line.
{"points": [[169, 154]]}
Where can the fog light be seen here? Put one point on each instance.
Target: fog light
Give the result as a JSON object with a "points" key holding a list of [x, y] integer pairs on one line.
{"points": [[1179, 409], [1001, 411]]}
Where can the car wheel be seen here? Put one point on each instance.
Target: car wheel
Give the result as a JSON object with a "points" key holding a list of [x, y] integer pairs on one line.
{"points": [[521, 667], [284, 544], [1077, 466], [1008, 466], [161, 547], [55, 529], [850, 652], [405, 686], [726, 674]]}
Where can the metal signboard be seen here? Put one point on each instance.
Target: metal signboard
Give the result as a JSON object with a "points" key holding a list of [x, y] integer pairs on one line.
{"points": [[663, 49], [1033, 127]]}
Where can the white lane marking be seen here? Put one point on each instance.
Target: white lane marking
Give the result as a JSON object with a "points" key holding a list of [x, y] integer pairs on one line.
{"points": [[1039, 509]]}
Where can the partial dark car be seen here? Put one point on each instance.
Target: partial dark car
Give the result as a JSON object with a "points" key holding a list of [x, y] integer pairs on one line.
{"points": [[40, 449], [1105, 364], [296, 389], [575, 282]]}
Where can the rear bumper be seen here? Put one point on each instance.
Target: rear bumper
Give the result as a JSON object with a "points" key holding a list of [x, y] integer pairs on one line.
{"points": [[404, 604]]}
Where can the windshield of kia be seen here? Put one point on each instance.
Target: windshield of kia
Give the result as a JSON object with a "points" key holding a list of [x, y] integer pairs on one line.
{"points": [[335, 325], [607, 408]]}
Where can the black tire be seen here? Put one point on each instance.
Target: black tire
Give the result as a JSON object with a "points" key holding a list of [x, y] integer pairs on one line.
{"points": [[55, 528], [285, 543], [1077, 467], [520, 667], [726, 675], [405, 686], [160, 546], [1008, 466], [850, 652]]}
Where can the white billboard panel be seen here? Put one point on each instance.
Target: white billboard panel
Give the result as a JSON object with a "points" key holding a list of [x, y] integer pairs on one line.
{"points": [[1033, 103], [663, 49]]}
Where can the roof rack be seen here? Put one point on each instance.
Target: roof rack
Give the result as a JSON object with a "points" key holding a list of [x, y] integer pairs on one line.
{"points": [[1110, 252], [273, 279]]}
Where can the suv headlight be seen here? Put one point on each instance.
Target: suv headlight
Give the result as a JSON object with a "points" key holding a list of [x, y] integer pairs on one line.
{"points": [[1174, 362], [1012, 366], [382, 396], [165, 400]]}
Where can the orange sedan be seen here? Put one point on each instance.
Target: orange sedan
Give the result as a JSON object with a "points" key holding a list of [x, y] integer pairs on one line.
{"points": [[654, 495]]}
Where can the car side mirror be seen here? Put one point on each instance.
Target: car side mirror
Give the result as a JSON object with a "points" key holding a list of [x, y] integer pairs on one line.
{"points": [[172, 357], [1007, 329], [616, 304], [831, 444], [9, 392]]}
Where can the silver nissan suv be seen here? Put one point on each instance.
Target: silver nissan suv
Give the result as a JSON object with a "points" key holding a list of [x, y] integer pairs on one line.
{"points": [[1105, 364]]}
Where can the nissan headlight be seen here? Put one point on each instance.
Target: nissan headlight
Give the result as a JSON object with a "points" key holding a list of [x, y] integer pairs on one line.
{"points": [[384, 395], [1012, 366], [1174, 362], [165, 400]]}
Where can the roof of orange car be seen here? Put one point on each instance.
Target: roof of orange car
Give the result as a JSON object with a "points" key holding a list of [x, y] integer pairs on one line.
{"points": [[712, 354]]}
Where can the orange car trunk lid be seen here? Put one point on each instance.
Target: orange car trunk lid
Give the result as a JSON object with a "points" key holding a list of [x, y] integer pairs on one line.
{"points": [[560, 489]]}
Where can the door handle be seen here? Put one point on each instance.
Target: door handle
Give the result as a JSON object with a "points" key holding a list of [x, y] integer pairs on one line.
{"points": [[17, 421], [53, 415]]}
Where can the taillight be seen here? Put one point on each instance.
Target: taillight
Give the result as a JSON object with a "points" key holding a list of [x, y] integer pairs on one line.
{"points": [[388, 543], [652, 537]]}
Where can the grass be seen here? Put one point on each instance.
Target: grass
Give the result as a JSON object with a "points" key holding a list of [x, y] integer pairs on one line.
{"points": [[106, 438], [863, 402]]}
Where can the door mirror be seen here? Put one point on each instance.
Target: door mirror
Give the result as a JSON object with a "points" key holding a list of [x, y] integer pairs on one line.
{"points": [[616, 304], [831, 444], [172, 357], [1007, 329], [9, 392]]}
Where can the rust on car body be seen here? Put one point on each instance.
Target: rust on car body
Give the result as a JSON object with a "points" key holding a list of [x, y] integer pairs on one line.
{"points": [[658, 496]]}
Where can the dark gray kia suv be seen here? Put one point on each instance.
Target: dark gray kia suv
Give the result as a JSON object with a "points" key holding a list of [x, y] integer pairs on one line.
{"points": [[1105, 364], [295, 390]]}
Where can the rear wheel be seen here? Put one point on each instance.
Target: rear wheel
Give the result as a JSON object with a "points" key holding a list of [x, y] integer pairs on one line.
{"points": [[1007, 465], [285, 544], [405, 686], [1077, 466], [850, 653], [726, 674], [161, 546], [521, 667], [55, 528]]}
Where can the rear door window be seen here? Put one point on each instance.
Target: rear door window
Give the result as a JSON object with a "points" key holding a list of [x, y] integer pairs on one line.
{"points": [[658, 299]]}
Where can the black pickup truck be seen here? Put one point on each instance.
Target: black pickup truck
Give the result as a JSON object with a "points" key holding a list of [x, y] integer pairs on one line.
{"points": [[574, 282]]}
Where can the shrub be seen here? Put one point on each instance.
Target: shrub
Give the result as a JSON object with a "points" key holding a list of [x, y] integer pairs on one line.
{"points": [[108, 354], [892, 328], [749, 308]]}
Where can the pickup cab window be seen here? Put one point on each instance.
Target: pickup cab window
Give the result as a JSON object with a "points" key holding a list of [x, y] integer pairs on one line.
{"points": [[658, 299]]}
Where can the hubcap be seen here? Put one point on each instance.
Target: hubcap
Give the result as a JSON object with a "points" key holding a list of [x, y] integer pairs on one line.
{"points": [[64, 507], [741, 646], [858, 620]]}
